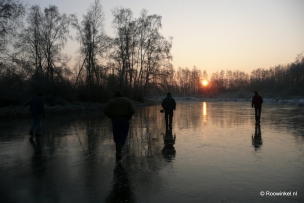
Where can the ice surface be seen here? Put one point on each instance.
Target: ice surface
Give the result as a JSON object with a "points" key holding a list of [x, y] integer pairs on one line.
{"points": [[214, 153]]}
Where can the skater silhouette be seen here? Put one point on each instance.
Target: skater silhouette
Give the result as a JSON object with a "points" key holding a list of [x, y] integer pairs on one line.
{"points": [[37, 110], [120, 110], [169, 105], [257, 101]]}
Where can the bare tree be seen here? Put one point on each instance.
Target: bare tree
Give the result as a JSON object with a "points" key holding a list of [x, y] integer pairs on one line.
{"points": [[42, 40], [54, 34], [93, 42], [140, 51], [154, 49], [31, 40], [124, 43], [11, 14]]}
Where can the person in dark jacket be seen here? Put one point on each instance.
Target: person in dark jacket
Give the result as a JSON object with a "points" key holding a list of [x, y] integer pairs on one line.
{"points": [[120, 110], [257, 101], [37, 110], [168, 105]]}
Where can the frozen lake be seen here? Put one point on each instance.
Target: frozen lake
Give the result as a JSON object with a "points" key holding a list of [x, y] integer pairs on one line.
{"points": [[218, 155]]}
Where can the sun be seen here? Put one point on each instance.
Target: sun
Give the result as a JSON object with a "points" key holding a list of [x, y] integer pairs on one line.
{"points": [[205, 82]]}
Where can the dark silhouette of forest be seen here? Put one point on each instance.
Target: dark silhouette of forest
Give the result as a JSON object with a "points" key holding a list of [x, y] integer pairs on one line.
{"points": [[137, 60]]}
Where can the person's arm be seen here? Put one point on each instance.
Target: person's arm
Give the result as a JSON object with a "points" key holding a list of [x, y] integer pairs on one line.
{"points": [[174, 104], [163, 104], [27, 103], [131, 109], [42, 108], [252, 102], [107, 110]]}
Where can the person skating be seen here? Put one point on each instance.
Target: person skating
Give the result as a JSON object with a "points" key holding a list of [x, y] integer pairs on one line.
{"points": [[169, 105], [37, 110], [120, 110], [257, 101]]}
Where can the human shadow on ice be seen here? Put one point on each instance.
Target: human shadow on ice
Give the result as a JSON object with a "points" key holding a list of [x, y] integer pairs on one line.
{"points": [[37, 159], [121, 188]]}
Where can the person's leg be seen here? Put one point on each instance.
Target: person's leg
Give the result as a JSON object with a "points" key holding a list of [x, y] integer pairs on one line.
{"points": [[259, 114], [118, 147], [35, 124], [120, 133], [256, 114], [38, 121], [166, 117], [32, 129], [170, 118], [116, 135], [125, 124]]}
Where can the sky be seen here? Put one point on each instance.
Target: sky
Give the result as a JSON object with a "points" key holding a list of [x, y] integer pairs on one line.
{"points": [[213, 35]]}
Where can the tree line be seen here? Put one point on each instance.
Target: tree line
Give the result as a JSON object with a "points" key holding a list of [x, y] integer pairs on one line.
{"points": [[137, 60], [278, 81], [281, 80]]}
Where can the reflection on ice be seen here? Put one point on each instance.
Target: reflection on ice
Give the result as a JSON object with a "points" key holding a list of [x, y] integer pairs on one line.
{"points": [[169, 151], [214, 153], [204, 113], [257, 137]]}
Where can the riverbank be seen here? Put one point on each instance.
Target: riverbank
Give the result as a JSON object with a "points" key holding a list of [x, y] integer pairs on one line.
{"points": [[15, 112], [297, 101], [21, 111]]}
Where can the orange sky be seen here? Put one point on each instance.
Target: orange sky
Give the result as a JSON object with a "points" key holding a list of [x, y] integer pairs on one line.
{"points": [[214, 35]]}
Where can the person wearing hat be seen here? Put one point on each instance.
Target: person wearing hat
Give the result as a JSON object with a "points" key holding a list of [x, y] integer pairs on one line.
{"points": [[120, 110], [37, 109], [256, 102], [168, 105]]}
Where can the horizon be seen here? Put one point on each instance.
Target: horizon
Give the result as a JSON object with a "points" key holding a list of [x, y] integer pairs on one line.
{"points": [[234, 35]]}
